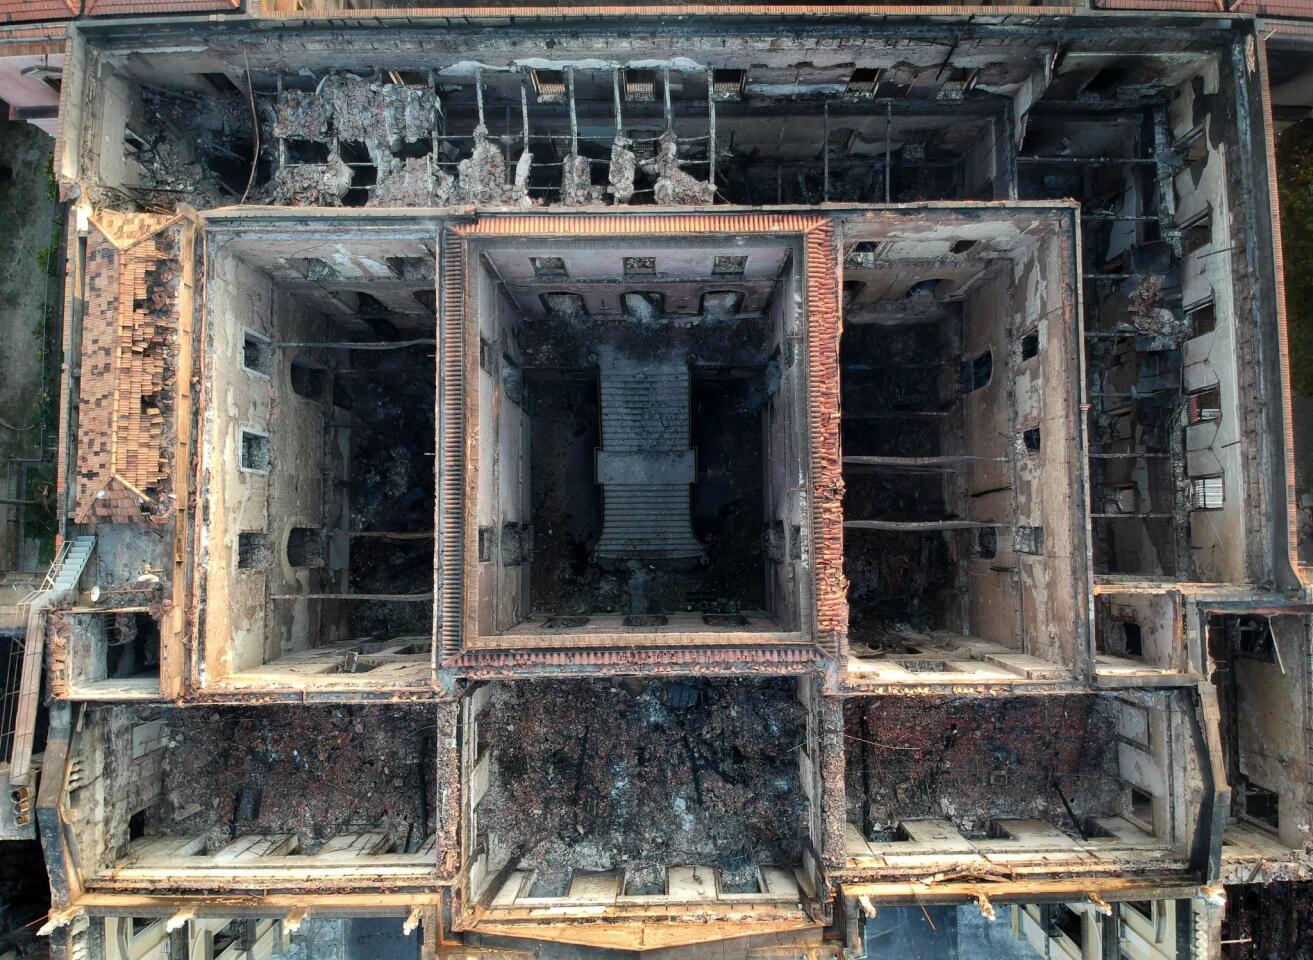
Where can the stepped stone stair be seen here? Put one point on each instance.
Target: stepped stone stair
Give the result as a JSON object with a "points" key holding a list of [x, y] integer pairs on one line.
{"points": [[645, 465]]}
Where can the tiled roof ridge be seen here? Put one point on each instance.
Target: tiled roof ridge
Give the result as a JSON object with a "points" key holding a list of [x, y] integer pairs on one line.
{"points": [[36, 11], [126, 230]]}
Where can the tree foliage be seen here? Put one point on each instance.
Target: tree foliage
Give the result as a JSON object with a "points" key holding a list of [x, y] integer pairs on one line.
{"points": [[1295, 182]]}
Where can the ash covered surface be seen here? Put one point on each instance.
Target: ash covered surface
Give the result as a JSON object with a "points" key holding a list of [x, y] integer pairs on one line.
{"points": [[644, 775], [896, 579], [971, 761], [200, 149], [1269, 920], [311, 771], [726, 508], [727, 501], [391, 486]]}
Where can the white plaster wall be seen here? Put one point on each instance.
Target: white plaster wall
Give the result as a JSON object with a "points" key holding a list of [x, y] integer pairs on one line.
{"points": [[993, 589], [243, 627], [784, 458], [503, 493], [1272, 741], [1041, 608], [1217, 537]]}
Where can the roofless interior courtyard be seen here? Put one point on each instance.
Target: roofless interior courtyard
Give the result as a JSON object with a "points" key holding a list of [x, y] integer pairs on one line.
{"points": [[676, 483]]}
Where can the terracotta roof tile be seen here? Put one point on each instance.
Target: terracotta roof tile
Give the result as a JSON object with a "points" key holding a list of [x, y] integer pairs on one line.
{"points": [[30, 11], [1285, 8], [124, 462], [33, 11], [701, 660], [102, 8]]}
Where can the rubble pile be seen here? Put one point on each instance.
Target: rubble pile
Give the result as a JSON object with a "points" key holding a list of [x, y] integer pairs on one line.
{"points": [[311, 771], [971, 761], [645, 774]]}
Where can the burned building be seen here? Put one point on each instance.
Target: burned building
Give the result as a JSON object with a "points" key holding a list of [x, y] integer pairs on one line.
{"points": [[577, 482]]}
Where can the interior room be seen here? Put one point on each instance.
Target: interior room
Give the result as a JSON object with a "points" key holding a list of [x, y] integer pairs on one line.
{"points": [[1258, 691], [117, 650], [640, 794], [1140, 635], [267, 796], [318, 470], [1165, 336], [962, 449], [640, 441], [1046, 777], [351, 130]]}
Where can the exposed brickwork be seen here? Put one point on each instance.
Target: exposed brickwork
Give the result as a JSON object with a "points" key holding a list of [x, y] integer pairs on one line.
{"points": [[702, 660], [71, 242], [57, 630], [101, 8], [32, 11], [823, 329], [128, 332], [824, 325]]}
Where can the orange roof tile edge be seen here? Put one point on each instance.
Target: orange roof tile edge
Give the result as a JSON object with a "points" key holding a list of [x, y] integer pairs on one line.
{"points": [[691, 9], [37, 11], [103, 8], [31, 11], [823, 326]]}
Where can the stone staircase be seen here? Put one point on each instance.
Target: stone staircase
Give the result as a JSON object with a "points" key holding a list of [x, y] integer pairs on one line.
{"points": [[60, 584], [69, 570], [645, 464]]}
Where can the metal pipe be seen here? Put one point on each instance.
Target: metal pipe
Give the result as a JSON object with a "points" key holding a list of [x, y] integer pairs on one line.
{"points": [[825, 153], [888, 146], [711, 132], [574, 118], [920, 526], [615, 91], [524, 110], [282, 141], [438, 122], [1132, 516], [1128, 456], [896, 414], [1070, 813], [393, 597], [948, 461], [387, 535], [665, 94], [478, 91], [1094, 160], [1117, 217], [354, 345]]}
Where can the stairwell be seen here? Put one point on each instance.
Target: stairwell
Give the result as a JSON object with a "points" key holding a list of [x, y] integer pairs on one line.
{"points": [[646, 464]]}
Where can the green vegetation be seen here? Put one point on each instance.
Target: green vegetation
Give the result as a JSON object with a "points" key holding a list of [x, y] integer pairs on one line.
{"points": [[40, 517], [1295, 182]]}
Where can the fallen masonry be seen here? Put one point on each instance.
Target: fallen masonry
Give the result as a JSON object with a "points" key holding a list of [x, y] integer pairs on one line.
{"points": [[756, 482]]}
